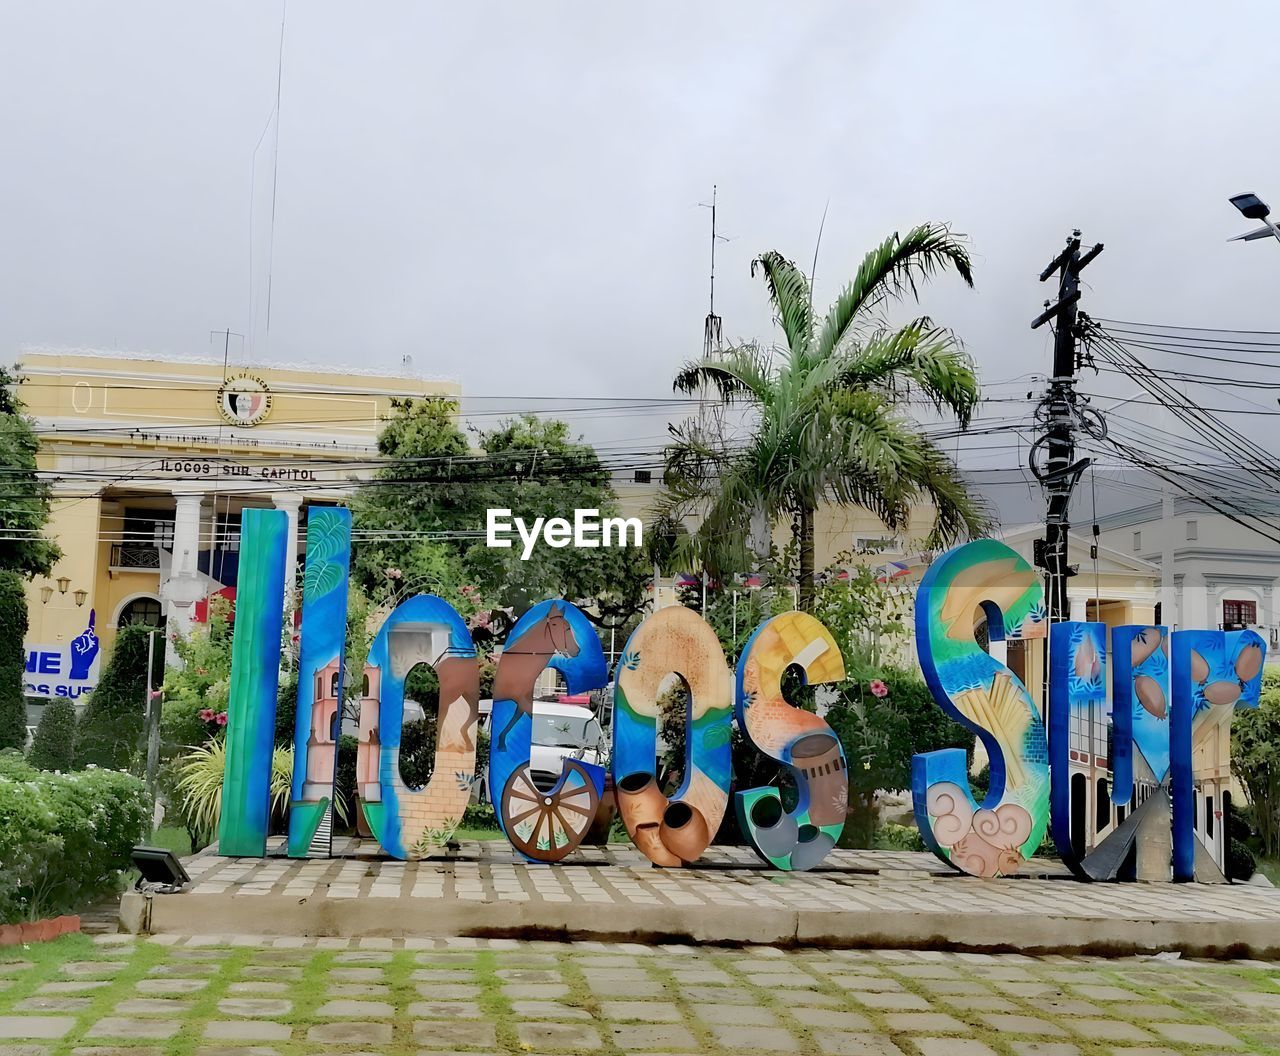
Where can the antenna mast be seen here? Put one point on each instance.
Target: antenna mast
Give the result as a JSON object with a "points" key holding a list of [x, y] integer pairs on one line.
{"points": [[712, 331], [710, 409]]}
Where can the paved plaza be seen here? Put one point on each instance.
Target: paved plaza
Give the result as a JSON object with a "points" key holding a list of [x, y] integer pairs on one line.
{"points": [[859, 898], [211, 995]]}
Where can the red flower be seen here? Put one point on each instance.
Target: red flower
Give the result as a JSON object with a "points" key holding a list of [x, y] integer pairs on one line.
{"points": [[206, 714], [878, 688], [222, 718]]}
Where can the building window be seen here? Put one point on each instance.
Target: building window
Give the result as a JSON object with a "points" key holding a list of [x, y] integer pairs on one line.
{"points": [[1237, 615], [1137, 541], [877, 544], [228, 539], [1193, 529], [149, 528], [145, 611]]}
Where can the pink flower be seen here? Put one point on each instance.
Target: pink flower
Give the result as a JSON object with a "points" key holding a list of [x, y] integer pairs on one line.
{"points": [[878, 688], [206, 714], [222, 718]]}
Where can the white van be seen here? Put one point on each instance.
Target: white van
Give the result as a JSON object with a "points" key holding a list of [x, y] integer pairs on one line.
{"points": [[560, 732]]}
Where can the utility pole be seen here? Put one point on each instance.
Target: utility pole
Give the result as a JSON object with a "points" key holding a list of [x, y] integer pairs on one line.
{"points": [[152, 714], [1058, 415]]}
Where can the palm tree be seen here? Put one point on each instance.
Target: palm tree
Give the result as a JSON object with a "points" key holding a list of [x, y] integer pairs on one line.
{"points": [[830, 421]]}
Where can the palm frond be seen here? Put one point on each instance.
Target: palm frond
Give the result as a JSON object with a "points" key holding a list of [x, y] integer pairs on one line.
{"points": [[931, 357], [898, 265], [789, 292], [740, 373]]}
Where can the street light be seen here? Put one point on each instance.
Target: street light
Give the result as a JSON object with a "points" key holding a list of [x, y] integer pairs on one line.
{"points": [[1254, 208]]}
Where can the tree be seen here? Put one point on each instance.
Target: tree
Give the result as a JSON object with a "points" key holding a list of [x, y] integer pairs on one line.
{"points": [[111, 726], [1255, 759], [419, 523], [13, 701], [538, 470], [426, 486], [55, 742], [830, 422], [24, 552], [23, 547]]}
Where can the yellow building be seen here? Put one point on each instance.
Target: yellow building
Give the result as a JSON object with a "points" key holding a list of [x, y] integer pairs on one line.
{"points": [[152, 459]]}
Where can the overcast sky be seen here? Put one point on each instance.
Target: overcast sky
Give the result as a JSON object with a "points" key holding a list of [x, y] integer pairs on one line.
{"points": [[509, 192]]}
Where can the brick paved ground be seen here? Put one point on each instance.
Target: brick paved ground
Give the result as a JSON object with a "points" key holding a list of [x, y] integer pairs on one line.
{"points": [[868, 897], [219, 996]]}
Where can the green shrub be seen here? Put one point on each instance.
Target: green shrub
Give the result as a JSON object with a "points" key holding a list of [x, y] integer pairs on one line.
{"points": [[1241, 864], [881, 735], [344, 780], [893, 837], [64, 838], [196, 693], [198, 789], [479, 816], [13, 670], [286, 710], [110, 731], [55, 741]]}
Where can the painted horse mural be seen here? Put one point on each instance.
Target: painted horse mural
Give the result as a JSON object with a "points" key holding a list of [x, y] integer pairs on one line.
{"points": [[525, 658]]}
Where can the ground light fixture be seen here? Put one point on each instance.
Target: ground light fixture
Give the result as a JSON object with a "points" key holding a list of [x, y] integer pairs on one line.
{"points": [[161, 871], [1254, 208]]}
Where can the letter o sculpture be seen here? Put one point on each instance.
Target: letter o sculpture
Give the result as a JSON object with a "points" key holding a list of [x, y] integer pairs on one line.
{"points": [[676, 831]]}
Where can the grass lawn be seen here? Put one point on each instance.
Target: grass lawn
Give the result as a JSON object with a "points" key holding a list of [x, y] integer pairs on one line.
{"points": [[478, 834], [1270, 868], [172, 838], [193, 997]]}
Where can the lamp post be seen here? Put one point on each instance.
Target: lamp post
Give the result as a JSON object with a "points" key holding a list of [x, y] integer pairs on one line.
{"points": [[1254, 208]]}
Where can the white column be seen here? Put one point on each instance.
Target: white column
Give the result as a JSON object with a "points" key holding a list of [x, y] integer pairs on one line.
{"points": [[1078, 607], [177, 589], [291, 504], [1196, 610]]}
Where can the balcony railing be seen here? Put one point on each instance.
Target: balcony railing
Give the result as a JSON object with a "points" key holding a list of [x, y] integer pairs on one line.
{"points": [[135, 556]]}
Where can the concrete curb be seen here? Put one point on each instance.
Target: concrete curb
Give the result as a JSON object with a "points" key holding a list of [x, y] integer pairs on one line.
{"points": [[188, 914]]}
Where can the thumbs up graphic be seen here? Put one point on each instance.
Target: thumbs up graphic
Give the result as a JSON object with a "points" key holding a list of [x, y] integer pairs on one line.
{"points": [[84, 647]]}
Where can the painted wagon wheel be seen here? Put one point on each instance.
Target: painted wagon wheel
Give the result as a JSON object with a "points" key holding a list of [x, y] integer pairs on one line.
{"points": [[546, 826]]}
